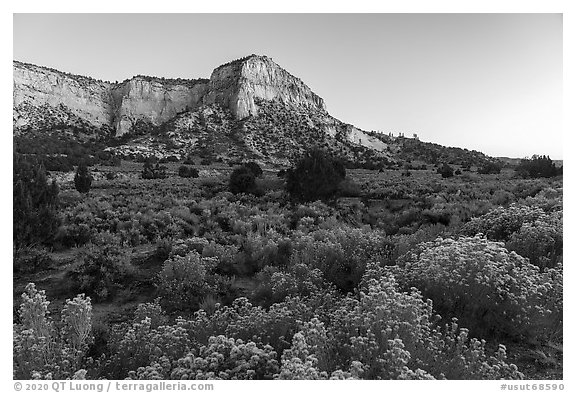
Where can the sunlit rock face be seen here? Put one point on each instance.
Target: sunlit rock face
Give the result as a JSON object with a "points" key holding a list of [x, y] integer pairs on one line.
{"points": [[248, 106], [44, 98], [56, 97], [153, 101], [239, 84], [43, 94]]}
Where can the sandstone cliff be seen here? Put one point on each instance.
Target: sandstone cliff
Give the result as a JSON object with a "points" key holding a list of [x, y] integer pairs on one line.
{"points": [[149, 100], [237, 86], [249, 106], [40, 87], [56, 97]]}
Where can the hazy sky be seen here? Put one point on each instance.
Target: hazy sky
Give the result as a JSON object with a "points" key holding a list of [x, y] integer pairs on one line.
{"points": [[488, 82]]}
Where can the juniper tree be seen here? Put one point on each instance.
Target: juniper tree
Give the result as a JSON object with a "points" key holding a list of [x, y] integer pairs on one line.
{"points": [[316, 176], [82, 179], [35, 203]]}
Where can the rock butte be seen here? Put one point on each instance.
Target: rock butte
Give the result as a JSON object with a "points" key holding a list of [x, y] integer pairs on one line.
{"points": [[119, 106]]}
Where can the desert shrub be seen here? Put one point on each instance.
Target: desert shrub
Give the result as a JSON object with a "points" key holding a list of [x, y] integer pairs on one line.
{"points": [[274, 285], [102, 271], [401, 244], [388, 334], [183, 281], [226, 255], [503, 198], [82, 179], [349, 188], [537, 166], [111, 175], [186, 171], [153, 311], [242, 180], [228, 358], [189, 160], [539, 241], [492, 291], [58, 164], [73, 235], [547, 199], [31, 259], [138, 344], [445, 170], [499, 224], [258, 250], [341, 254], [163, 250], [153, 171], [490, 168], [35, 204], [254, 168], [45, 350], [242, 320], [315, 176]]}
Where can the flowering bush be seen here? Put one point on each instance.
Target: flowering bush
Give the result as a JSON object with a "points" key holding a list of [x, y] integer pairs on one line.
{"points": [[242, 320], [500, 223], [40, 349], [540, 241], [103, 269], [275, 285], [183, 280], [340, 254], [491, 290], [227, 358], [31, 259], [140, 344], [388, 334]]}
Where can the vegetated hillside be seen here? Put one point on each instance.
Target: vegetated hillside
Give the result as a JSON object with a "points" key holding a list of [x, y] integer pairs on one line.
{"points": [[239, 257], [271, 288], [276, 135]]}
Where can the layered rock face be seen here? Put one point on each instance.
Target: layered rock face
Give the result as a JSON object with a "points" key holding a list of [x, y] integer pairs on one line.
{"points": [[238, 85], [250, 107], [154, 102], [49, 99], [86, 98], [119, 106]]}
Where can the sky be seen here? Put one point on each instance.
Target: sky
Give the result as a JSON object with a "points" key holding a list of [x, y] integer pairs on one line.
{"points": [[487, 82]]}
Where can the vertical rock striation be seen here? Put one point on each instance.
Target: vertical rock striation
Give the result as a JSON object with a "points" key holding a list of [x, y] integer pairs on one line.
{"points": [[150, 100], [56, 98], [239, 84], [103, 105], [35, 86]]}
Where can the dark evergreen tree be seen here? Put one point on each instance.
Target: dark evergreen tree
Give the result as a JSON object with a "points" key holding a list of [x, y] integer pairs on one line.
{"points": [[538, 166], [82, 179], [148, 170], [35, 201], [153, 171], [316, 176], [445, 170], [186, 171], [243, 180], [489, 168], [255, 168]]}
